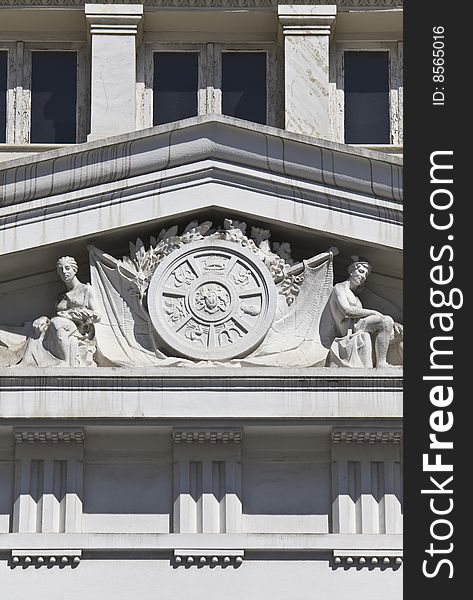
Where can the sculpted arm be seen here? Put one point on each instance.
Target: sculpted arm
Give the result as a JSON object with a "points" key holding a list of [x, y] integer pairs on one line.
{"points": [[91, 302], [298, 268], [89, 310], [349, 310]]}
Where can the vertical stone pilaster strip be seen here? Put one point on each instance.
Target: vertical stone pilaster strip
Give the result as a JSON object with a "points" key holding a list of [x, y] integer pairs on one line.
{"points": [[24, 509], [210, 504], [113, 29], [307, 31], [369, 505], [185, 504], [73, 496], [344, 506], [393, 516], [49, 508]]}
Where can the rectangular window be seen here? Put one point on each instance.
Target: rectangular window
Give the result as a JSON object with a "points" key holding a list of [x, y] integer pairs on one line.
{"points": [[367, 98], [3, 95], [53, 97], [244, 85], [175, 86]]}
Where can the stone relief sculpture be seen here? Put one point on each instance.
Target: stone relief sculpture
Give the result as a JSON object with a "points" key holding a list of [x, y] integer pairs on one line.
{"points": [[362, 333], [67, 339], [212, 295]]}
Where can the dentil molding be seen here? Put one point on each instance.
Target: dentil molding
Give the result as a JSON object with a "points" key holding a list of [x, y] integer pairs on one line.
{"points": [[43, 435], [207, 435]]}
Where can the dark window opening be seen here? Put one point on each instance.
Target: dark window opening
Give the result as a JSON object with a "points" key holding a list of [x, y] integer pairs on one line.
{"points": [[53, 97], [3, 96], [244, 85], [367, 98], [175, 86]]}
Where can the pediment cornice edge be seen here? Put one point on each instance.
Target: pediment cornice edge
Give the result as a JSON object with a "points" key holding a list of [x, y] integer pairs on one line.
{"points": [[228, 140]]}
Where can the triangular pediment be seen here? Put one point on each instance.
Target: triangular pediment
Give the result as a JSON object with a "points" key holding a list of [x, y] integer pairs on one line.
{"points": [[310, 192]]}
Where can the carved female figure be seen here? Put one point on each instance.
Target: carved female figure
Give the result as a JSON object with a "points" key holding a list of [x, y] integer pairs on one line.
{"points": [[67, 339], [76, 313]]}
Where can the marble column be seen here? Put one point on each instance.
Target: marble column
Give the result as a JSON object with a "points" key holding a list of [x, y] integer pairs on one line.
{"points": [[307, 31], [113, 29]]}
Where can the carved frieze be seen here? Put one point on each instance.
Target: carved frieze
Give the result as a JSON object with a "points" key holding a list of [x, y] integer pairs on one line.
{"points": [[213, 294]]}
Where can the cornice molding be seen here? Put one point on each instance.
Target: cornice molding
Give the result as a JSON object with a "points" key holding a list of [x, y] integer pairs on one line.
{"points": [[310, 20], [43, 436], [207, 137], [113, 19], [261, 4], [366, 436], [207, 435]]}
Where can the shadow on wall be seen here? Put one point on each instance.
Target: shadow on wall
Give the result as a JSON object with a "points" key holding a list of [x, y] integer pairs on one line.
{"points": [[127, 488], [286, 488]]}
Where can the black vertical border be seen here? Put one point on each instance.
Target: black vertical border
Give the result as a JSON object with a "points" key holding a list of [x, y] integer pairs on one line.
{"points": [[430, 128]]}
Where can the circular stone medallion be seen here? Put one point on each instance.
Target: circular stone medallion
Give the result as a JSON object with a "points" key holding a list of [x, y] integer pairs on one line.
{"points": [[211, 300]]}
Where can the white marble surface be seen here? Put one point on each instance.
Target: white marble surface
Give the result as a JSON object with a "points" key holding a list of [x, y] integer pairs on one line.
{"points": [[113, 81], [113, 67], [306, 31], [121, 518], [216, 393], [307, 85]]}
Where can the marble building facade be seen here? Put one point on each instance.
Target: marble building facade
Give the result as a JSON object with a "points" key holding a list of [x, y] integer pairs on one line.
{"points": [[201, 337]]}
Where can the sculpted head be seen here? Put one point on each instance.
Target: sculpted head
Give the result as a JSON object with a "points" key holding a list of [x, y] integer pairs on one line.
{"points": [[359, 270], [67, 268]]}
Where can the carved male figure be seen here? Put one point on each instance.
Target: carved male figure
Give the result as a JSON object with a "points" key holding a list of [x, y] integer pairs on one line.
{"points": [[355, 324]]}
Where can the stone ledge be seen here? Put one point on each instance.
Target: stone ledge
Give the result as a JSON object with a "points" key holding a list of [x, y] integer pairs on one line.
{"points": [[269, 394], [202, 542], [199, 374], [343, 5], [265, 395]]}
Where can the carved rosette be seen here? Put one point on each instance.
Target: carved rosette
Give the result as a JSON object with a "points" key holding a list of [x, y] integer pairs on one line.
{"points": [[211, 300]]}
